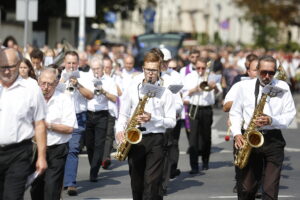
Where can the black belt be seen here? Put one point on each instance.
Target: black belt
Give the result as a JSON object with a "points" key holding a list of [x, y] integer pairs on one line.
{"points": [[97, 112], [202, 107], [268, 131], [15, 145], [56, 145]]}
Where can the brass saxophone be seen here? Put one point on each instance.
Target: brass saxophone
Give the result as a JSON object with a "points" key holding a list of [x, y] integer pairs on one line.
{"points": [[281, 75], [252, 137], [132, 134]]}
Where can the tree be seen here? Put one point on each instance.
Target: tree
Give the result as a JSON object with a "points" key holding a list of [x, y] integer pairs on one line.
{"points": [[268, 16]]}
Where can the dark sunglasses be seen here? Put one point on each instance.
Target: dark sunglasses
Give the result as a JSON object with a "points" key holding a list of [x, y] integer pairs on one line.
{"points": [[200, 68], [265, 72]]}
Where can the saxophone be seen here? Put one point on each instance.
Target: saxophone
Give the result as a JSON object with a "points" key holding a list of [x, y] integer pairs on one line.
{"points": [[132, 134], [281, 75], [252, 137]]}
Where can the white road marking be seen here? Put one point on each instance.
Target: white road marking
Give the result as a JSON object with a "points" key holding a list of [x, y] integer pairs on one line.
{"points": [[234, 196]]}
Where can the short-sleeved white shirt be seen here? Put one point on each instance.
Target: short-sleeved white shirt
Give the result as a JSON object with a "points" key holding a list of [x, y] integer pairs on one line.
{"points": [[21, 105]]}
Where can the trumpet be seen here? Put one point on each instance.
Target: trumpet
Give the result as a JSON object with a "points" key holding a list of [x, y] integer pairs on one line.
{"points": [[204, 84], [71, 88]]}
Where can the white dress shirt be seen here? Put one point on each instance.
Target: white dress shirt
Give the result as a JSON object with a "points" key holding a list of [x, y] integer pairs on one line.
{"points": [[162, 110], [60, 110], [79, 100], [202, 98], [100, 102], [20, 105], [281, 108]]}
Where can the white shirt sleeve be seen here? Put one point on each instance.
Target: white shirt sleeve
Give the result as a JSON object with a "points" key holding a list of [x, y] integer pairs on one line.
{"points": [[284, 119], [40, 107], [169, 119], [125, 111], [236, 114]]}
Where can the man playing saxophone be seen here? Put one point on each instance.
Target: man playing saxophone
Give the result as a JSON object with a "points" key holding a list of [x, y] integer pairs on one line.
{"points": [[145, 159], [278, 112]]}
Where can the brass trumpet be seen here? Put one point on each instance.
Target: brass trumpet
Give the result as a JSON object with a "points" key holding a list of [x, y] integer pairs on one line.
{"points": [[204, 84]]}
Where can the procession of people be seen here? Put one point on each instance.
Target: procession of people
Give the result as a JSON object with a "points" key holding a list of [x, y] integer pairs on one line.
{"points": [[53, 109]]}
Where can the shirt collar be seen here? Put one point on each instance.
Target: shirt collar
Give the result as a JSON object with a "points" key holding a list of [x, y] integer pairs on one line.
{"points": [[18, 82]]}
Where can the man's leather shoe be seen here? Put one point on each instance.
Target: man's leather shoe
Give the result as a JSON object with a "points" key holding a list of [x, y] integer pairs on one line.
{"points": [[205, 166], [93, 179], [194, 171], [72, 191], [175, 173]]}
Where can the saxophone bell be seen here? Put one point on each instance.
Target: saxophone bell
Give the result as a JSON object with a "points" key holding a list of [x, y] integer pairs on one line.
{"points": [[133, 135], [255, 139]]}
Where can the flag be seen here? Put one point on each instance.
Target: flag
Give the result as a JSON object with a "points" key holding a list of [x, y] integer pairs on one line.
{"points": [[224, 24]]}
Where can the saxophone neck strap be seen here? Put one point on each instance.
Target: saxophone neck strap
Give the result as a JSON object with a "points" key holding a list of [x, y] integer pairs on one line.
{"points": [[256, 91]]}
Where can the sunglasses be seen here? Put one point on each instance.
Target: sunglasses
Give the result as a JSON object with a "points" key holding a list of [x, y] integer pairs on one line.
{"points": [[265, 72], [200, 68]]}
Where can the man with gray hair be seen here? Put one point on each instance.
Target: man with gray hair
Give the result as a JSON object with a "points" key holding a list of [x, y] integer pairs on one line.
{"points": [[60, 121], [105, 91], [22, 114]]}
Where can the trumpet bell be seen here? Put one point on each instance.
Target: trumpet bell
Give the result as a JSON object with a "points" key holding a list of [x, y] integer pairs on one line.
{"points": [[255, 138], [204, 86], [133, 135]]}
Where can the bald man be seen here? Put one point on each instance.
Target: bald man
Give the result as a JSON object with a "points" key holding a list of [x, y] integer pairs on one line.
{"points": [[22, 114]]}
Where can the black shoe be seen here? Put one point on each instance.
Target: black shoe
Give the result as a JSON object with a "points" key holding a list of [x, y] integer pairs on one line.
{"points": [[205, 166], [234, 190], [72, 191], [177, 172], [93, 179], [194, 171], [258, 195]]}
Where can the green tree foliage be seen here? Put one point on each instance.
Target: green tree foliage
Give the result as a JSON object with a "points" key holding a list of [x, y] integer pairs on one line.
{"points": [[267, 16]]}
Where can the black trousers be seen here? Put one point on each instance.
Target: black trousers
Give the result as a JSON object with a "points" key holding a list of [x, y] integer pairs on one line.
{"points": [[95, 135], [110, 136], [200, 136], [49, 185], [171, 152], [145, 161], [15, 165], [264, 164]]}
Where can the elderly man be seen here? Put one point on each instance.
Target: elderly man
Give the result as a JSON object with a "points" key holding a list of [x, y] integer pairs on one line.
{"points": [[97, 116], [79, 96], [22, 114], [60, 121], [279, 111]]}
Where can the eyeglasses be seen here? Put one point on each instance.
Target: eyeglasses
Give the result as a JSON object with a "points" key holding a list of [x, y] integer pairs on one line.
{"points": [[154, 71], [203, 68], [4, 68], [265, 72], [44, 84]]}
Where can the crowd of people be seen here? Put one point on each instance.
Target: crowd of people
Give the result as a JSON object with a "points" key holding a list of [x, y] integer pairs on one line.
{"points": [[55, 102]]}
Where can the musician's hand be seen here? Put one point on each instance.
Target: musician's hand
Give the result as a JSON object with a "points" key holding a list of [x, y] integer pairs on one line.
{"points": [[74, 81], [238, 141], [263, 120], [120, 137], [41, 165], [212, 84], [143, 118]]}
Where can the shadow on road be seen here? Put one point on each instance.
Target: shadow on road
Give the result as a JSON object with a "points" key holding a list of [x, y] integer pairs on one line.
{"points": [[182, 182]]}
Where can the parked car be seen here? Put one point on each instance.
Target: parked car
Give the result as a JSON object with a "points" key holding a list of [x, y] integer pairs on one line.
{"points": [[145, 42]]}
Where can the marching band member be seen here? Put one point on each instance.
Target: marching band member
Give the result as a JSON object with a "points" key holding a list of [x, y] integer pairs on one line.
{"points": [[201, 114], [79, 96], [278, 113], [22, 114], [60, 121], [97, 116], [145, 159]]}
